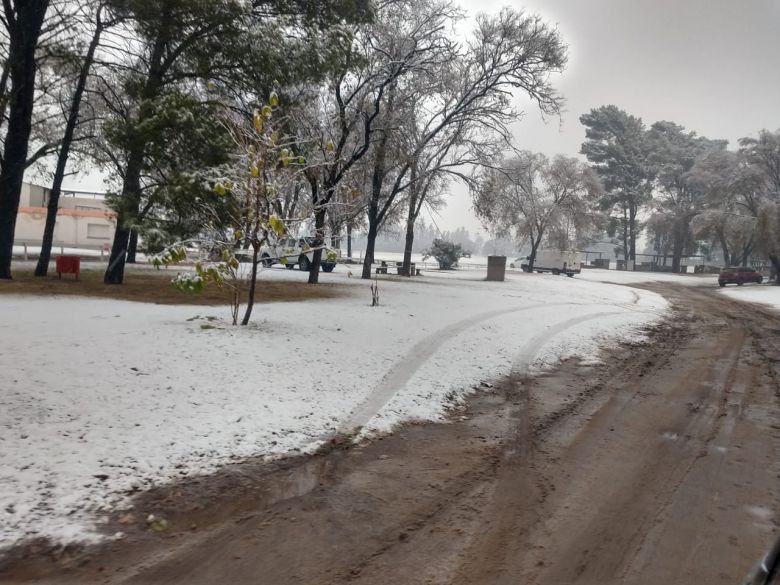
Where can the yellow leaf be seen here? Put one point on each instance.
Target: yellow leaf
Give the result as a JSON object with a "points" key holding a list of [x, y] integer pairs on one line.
{"points": [[257, 118], [277, 225]]}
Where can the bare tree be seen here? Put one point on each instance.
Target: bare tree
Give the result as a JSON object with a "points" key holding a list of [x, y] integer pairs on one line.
{"points": [[343, 121], [733, 189], [539, 199], [100, 23], [507, 52]]}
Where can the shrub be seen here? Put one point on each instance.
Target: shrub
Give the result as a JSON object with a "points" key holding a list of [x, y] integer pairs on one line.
{"points": [[446, 253]]}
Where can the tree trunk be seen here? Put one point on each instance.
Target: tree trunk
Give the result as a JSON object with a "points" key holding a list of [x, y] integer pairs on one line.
{"points": [[775, 260], [319, 240], [679, 244], [370, 241], [632, 211], [406, 269], [131, 186], [377, 179], [349, 241], [4, 91], [626, 247], [42, 267], [535, 242], [23, 41], [724, 247], [132, 247], [131, 189], [250, 302], [415, 204]]}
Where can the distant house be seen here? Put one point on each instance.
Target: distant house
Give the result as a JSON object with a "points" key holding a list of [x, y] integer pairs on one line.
{"points": [[83, 219]]}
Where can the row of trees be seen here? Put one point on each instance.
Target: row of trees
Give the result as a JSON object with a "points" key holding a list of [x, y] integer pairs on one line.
{"points": [[392, 239], [685, 190], [374, 108]]}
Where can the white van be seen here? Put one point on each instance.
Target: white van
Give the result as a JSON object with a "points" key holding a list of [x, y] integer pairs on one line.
{"points": [[556, 261]]}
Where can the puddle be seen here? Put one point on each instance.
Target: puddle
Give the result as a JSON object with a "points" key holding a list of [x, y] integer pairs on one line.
{"points": [[298, 482]]}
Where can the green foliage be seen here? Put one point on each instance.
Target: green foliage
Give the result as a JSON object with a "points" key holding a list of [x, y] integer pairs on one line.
{"points": [[217, 273], [169, 257], [446, 253], [247, 190]]}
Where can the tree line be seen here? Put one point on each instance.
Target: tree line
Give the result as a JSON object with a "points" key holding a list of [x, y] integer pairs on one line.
{"points": [[234, 123], [684, 191]]}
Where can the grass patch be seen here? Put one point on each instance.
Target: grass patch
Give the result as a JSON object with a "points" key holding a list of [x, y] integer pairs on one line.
{"points": [[150, 286]]}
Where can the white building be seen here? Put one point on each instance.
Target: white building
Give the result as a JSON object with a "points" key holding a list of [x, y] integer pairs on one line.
{"points": [[83, 219]]}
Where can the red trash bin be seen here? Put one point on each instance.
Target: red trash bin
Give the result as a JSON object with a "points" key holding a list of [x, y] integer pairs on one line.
{"points": [[68, 265]]}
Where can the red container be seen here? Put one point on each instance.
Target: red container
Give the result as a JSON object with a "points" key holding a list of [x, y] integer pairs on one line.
{"points": [[68, 265]]}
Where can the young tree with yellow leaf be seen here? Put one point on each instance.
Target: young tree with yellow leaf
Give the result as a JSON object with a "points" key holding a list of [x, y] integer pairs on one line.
{"points": [[253, 185]]}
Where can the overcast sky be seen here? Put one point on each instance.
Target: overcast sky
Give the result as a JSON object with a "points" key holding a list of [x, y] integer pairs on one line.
{"points": [[712, 66]]}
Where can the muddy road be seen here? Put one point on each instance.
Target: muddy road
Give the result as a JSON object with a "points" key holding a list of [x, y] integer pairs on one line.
{"points": [[660, 466]]}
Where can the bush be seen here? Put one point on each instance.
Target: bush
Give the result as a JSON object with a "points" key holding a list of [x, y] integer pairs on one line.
{"points": [[446, 253]]}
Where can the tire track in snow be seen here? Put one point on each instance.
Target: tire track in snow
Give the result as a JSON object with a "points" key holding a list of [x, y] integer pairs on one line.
{"points": [[403, 370], [531, 349]]}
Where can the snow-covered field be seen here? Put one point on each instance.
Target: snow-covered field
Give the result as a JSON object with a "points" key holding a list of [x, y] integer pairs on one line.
{"points": [[766, 294], [106, 397]]}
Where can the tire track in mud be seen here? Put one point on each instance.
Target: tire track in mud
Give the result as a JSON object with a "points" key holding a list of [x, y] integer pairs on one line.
{"points": [[532, 348], [724, 381], [421, 352], [640, 551]]}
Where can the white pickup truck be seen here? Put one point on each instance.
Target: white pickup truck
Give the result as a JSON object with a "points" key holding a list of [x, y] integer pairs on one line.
{"points": [[556, 261], [297, 251]]}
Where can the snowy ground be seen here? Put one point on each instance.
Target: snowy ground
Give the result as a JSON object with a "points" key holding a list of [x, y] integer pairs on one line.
{"points": [[766, 294], [106, 397], [622, 277]]}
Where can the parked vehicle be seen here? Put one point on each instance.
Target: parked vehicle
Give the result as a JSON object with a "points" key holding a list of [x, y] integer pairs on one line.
{"points": [[298, 251], [739, 275], [556, 261]]}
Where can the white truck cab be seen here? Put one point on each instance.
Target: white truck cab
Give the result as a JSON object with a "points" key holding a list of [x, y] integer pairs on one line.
{"points": [[292, 251]]}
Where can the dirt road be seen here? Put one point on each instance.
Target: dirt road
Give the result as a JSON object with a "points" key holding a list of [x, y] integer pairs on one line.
{"points": [[661, 466]]}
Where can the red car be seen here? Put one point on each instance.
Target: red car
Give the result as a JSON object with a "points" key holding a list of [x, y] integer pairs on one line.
{"points": [[739, 275]]}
